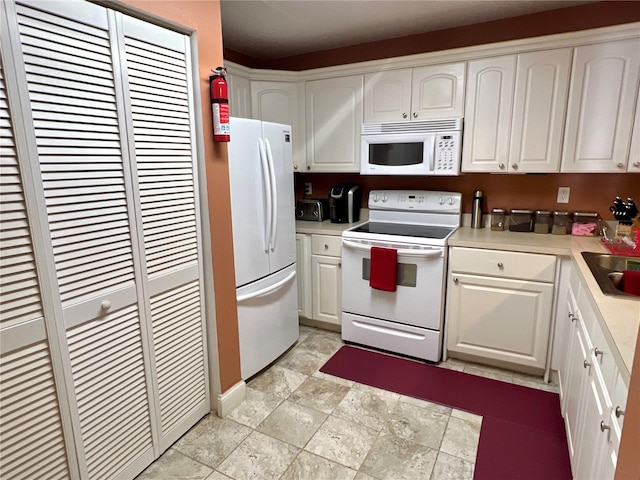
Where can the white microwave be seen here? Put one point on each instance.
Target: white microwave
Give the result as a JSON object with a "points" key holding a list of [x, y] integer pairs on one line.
{"points": [[432, 147]]}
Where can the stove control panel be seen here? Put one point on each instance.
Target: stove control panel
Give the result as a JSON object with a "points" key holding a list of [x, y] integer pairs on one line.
{"points": [[416, 200]]}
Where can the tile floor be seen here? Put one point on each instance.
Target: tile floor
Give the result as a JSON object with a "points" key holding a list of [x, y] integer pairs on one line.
{"points": [[298, 423]]}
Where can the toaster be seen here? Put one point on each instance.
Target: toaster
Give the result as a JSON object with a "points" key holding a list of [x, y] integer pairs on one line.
{"points": [[315, 209]]}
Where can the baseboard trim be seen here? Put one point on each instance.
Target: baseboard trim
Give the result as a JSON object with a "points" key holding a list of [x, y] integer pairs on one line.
{"points": [[230, 399]]}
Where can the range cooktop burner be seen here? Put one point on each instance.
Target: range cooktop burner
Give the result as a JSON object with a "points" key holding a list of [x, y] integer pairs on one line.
{"points": [[403, 229]]}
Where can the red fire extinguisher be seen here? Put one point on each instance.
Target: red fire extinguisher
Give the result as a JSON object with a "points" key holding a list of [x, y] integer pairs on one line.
{"points": [[220, 105]]}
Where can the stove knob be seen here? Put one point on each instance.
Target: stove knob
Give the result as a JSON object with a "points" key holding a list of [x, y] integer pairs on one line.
{"points": [[441, 200], [376, 198], [452, 201], [385, 198]]}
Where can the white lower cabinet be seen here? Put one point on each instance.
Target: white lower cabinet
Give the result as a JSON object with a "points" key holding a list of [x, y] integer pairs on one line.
{"points": [[320, 277], [594, 392], [499, 305]]}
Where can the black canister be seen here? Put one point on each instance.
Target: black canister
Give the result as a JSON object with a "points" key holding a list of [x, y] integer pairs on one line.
{"points": [[476, 209]]}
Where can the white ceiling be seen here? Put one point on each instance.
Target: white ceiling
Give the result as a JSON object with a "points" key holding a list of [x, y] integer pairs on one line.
{"points": [[271, 29]]}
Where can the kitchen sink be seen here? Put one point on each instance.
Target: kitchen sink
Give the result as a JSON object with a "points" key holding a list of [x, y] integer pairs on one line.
{"points": [[608, 270]]}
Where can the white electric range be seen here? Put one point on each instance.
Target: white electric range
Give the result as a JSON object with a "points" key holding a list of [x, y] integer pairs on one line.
{"points": [[409, 320]]}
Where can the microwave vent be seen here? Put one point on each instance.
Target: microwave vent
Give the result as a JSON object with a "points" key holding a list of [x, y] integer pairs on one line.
{"points": [[444, 125]]}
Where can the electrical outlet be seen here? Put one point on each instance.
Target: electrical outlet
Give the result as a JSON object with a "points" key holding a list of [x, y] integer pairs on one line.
{"points": [[563, 194], [307, 188]]}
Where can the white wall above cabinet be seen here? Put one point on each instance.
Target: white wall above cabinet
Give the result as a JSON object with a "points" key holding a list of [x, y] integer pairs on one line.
{"points": [[602, 100], [414, 94]]}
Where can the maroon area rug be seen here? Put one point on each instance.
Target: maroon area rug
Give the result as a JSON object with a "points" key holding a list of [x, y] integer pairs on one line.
{"points": [[522, 435]]}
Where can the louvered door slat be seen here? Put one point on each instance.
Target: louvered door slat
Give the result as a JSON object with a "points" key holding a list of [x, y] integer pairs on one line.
{"points": [[33, 448]]}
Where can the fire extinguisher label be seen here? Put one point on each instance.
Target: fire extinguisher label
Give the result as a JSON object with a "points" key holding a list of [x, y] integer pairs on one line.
{"points": [[220, 118]]}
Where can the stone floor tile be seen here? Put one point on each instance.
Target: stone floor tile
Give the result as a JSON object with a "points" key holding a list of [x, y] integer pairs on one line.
{"points": [[449, 467], [436, 407], [321, 343], [392, 457], [308, 466], [366, 407], [259, 457], [255, 408], [293, 423], [472, 418], [212, 439], [342, 441], [334, 379], [218, 476], [278, 381], [173, 465], [461, 439], [319, 394], [303, 361], [418, 425]]}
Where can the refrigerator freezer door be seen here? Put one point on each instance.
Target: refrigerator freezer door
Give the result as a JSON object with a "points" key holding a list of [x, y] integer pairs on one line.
{"points": [[277, 139], [249, 201], [267, 320]]}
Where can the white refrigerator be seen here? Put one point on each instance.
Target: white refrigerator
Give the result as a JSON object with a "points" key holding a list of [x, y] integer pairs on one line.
{"points": [[264, 240]]}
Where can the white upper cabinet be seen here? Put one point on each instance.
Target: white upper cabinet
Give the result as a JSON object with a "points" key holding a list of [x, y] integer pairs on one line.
{"points": [[539, 106], [333, 123], [281, 102], [414, 94], [239, 96], [602, 99], [488, 108], [634, 153], [515, 112]]}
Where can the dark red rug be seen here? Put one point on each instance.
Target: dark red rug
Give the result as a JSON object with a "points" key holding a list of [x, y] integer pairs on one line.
{"points": [[522, 435]]}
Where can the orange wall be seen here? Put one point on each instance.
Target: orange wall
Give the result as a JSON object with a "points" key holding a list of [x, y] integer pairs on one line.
{"points": [[203, 16]]}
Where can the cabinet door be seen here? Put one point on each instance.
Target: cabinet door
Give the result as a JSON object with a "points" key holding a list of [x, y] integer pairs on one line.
{"points": [[634, 153], [334, 121], [326, 273], [499, 318], [604, 85], [488, 107], [279, 102], [542, 83], [565, 366], [437, 92], [303, 268], [387, 96], [239, 96]]}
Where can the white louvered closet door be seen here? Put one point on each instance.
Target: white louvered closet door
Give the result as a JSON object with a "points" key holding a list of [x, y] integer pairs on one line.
{"points": [[68, 49], [157, 69], [32, 444]]}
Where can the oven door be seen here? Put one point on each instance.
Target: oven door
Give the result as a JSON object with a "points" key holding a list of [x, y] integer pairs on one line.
{"points": [[397, 154], [419, 294]]}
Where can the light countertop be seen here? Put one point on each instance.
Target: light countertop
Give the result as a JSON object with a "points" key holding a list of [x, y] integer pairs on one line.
{"points": [[619, 316]]}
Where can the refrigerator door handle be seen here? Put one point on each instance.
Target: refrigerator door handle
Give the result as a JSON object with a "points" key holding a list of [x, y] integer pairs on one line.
{"points": [[266, 290], [266, 173], [274, 197]]}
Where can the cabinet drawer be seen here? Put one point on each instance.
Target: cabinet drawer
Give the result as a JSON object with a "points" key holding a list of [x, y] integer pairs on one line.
{"points": [[326, 245], [527, 266], [603, 356]]}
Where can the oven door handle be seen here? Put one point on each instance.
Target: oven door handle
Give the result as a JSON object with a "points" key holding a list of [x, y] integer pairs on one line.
{"points": [[406, 252]]}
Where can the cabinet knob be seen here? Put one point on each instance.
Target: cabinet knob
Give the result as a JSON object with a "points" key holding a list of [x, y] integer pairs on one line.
{"points": [[308, 167], [620, 165], [514, 166], [636, 164], [339, 264], [404, 115], [326, 247], [572, 317], [586, 364], [603, 426], [500, 265], [619, 412], [597, 351], [455, 280], [295, 167], [501, 166], [415, 114], [105, 305]]}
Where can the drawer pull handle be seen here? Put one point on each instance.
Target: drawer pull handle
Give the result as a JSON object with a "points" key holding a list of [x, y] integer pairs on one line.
{"points": [[597, 351], [500, 265], [572, 317], [604, 426], [586, 364], [619, 412]]}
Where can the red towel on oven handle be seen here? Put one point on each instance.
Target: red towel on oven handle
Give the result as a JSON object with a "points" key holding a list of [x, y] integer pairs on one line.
{"points": [[384, 269]]}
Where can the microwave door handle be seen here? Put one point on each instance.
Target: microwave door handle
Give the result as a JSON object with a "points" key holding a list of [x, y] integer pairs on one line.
{"points": [[432, 157], [404, 252]]}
